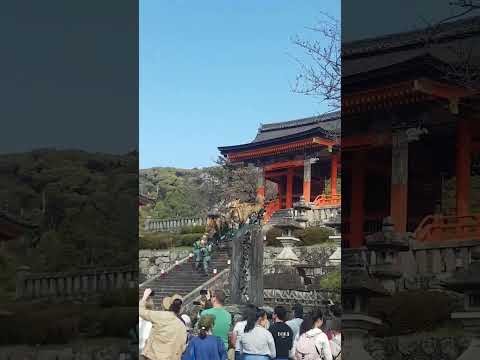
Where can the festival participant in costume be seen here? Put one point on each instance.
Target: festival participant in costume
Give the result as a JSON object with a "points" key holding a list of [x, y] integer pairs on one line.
{"points": [[202, 251]]}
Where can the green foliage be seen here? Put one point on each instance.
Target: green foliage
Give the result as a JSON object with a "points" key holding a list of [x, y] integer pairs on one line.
{"points": [[90, 204], [412, 311], [309, 236], [156, 241], [316, 235], [60, 323], [196, 229], [123, 297], [332, 281]]}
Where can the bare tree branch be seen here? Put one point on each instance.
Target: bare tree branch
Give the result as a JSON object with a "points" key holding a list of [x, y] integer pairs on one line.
{"points": [[320, 75]]}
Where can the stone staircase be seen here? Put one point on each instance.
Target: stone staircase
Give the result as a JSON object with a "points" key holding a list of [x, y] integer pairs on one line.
{"points": [[183, 279]]}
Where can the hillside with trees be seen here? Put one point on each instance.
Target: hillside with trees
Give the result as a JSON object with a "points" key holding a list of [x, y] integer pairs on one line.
{"points": [[193, 192]]}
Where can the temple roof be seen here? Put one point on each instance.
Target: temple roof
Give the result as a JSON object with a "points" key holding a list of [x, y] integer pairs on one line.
{"points": [[326, 126], [364, 56], [446, 32]]}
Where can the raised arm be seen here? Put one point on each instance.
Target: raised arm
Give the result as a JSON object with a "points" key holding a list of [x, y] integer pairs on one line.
{"points": [[142, 310]]}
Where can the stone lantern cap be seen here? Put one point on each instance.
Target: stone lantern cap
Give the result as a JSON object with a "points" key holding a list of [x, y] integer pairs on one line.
{"points": [[301, 204], [357, 282], [466, 280], [388, 239], [288, 223]]}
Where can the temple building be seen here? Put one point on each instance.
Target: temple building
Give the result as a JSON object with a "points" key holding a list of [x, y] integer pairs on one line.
{"points": [[411, 134], [301, 157]]}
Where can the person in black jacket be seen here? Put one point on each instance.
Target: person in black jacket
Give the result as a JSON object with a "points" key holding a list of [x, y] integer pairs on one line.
{"points": [[282, 333]]}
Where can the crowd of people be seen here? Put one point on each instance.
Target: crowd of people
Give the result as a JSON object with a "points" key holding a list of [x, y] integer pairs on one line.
{"points": [[210, 334]]}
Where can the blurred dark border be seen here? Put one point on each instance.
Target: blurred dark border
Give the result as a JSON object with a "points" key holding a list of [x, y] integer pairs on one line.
{"points": [[69, 178]]}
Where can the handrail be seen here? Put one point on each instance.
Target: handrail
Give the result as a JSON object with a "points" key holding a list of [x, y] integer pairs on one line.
{"points": [[166, 271], [445, 227], [327, 199], [270, 208]]}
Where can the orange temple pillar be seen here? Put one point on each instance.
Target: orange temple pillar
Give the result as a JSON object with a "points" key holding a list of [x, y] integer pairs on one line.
{"points": [[279, 194], [463, 161], [261, 187], [399, 181], [307, 180], [333, 174], [357, 214], [289, 195]]}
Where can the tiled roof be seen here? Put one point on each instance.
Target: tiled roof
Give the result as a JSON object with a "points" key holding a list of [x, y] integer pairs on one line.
{"points": [[395, 42], [364, 56], [327, 125], [329, 122]]}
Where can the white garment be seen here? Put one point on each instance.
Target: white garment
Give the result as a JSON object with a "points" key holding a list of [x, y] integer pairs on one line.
{"points": [[238, 330], [295, 325], [321, 342], [144, 328], [258, 341], [336, 345]]}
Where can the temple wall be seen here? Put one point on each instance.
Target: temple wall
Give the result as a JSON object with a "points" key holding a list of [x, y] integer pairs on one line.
{"points": [[425, 346], [151, 262]]}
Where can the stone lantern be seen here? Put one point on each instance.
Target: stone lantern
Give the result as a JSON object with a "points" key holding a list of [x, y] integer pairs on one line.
{"points": [[357, 288], [468, 282], [301, 209], [288, 241], [385, 246]]}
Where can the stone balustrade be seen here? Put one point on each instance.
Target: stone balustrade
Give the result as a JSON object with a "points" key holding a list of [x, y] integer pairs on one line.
{"points": [[68, 284], [157, 225], [443, 257], [426, 264], [320, 216]]}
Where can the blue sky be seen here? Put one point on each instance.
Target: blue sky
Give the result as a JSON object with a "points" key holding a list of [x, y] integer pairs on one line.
{"points": [[212, 71]]}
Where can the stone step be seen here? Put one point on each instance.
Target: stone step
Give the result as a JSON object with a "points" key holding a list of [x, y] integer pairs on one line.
{"points": [[184, 278]]}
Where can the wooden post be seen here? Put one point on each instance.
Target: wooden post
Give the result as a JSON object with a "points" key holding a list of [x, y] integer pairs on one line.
{"points": [[255, 289], [235, 272], [399, 181], [333, 174], [463, 160], [358, 194], [289, 198], [280, 193], [307, 180], [261, 187]]}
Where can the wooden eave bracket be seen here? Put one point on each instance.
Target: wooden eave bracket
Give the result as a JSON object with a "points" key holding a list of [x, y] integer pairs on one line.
{"points": [[452, 93]]}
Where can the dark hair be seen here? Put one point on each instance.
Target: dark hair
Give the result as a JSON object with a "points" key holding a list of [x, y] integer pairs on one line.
{"points": [[220, 296], [249, 308], [176, 306], [281, 312], [205, 324], [310, 320], [253, 317], [208, 305], [298, 311]]}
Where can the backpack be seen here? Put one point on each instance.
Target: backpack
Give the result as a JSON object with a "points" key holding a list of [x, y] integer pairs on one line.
{"points": [[306, 348]]}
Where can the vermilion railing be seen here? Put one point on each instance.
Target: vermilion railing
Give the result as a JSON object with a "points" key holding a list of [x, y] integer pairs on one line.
{"points": [[270, 208], [327, 200], [441, 228]]}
